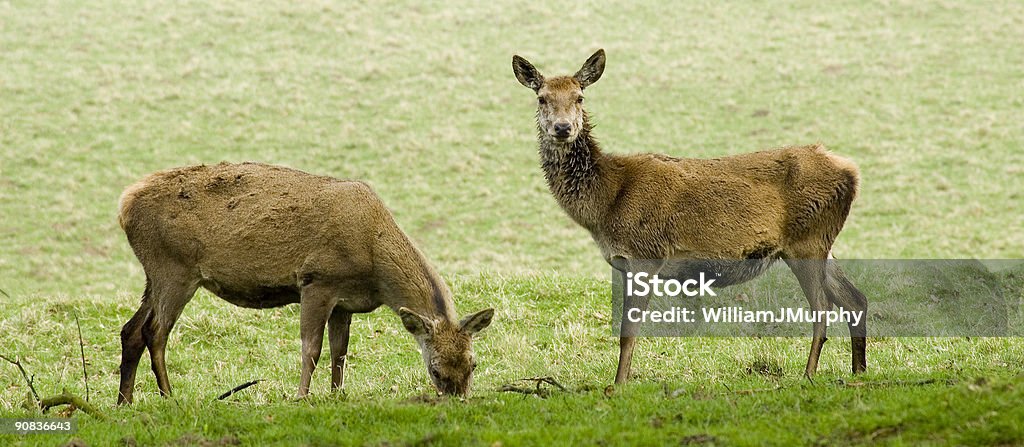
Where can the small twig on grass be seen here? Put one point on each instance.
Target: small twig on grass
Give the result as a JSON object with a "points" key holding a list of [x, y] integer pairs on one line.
{"points": [[4, 293], [548, 380], [509, 388], [238, 388], [536, 390], [66, 398], [23, 374], [81, 348]]}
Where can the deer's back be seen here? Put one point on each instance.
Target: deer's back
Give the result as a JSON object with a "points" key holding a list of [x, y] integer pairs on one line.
{"points": [[733, 207], [249, 222]]}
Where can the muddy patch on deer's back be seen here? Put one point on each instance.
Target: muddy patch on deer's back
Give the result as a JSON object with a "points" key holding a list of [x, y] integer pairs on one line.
{"points": [[226, 183]]}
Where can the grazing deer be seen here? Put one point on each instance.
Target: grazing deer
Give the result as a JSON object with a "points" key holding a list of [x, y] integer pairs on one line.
{"points": [[262, 236], [788, 203]]}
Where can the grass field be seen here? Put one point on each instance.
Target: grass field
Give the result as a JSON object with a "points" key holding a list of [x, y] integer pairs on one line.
{"points": [[419, 100]]}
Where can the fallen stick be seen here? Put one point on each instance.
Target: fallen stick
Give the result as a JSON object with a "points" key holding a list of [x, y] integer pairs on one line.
{"points": [[81, 349], [509, 388], [23, 374], [238, 388], [546, 379], [536, 390], [66, 398]]}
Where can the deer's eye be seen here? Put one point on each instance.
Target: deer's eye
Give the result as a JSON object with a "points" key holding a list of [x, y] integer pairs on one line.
{"points": [[579, 100], [542, 101]]}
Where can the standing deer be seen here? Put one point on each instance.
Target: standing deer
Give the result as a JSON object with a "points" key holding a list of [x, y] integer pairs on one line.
{"points": [[262, 236], [788, 203]]}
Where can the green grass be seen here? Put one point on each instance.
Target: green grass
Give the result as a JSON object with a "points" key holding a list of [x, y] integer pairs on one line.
{"points": [[918, 390], [418, 99]]}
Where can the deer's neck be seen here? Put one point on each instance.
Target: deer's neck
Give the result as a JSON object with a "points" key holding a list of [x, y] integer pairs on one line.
{"points": [[406, 279], [582, 178]]}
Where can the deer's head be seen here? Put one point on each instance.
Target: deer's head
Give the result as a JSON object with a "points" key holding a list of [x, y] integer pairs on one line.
{"points": [[560, 113], [447, 347]]}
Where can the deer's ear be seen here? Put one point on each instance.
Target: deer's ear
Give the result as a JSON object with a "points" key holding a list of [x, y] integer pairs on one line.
{"points": [[477, 322], [592, 69], [415, 323], [526, 73]]}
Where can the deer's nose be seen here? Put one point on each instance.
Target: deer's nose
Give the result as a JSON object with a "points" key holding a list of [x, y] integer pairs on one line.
{"points": [[562, 129]]}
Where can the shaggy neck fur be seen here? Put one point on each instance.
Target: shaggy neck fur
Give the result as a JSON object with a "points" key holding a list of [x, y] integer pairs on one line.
{"points": [[578, 174]]}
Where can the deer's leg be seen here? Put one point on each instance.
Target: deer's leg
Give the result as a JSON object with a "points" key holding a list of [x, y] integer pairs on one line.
{"points": [[626, 345], [132, 346], [844, 294], [337, 335], [171, 291], [811, 274], [630, 329], [858, 346], [315, 307], [627, 339]]}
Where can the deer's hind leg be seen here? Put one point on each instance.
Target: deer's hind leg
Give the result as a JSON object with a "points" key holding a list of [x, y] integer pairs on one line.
{"points": [[132, 346], [843, 293], [172, 288]]}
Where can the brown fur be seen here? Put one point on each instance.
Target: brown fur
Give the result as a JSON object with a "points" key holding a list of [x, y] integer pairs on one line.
{"points": [[788, 203], [265, 236]]}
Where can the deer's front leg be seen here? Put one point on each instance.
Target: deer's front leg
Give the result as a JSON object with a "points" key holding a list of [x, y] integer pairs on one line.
{"points": [[337, 335], [811, 274], [315, 306], [629, 329]]}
